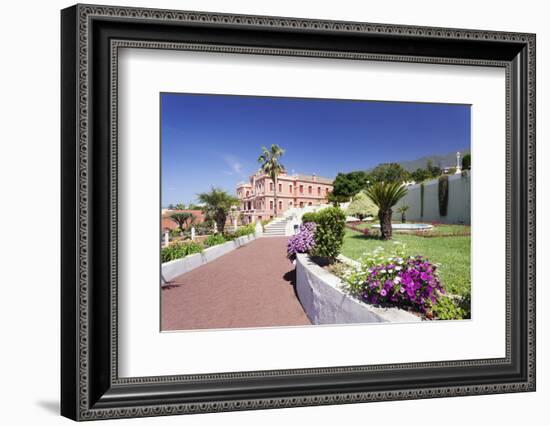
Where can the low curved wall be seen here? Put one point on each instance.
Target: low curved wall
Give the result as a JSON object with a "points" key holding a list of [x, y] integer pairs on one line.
{"points": [[174, 268], [325, 303]]}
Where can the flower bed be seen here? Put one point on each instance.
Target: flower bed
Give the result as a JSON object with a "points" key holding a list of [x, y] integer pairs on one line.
{"points": [[408, 282], [325, 300]]}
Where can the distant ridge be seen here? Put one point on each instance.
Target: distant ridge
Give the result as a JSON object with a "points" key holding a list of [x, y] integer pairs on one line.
{"points": [[439, 160]]}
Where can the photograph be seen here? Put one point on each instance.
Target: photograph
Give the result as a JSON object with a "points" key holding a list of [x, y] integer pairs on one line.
{"points": [[281, 212]]}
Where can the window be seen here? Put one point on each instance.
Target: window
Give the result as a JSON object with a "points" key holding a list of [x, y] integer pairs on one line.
{"points": [[326, 191], [247, 193], [271, 205], [301, 189], [271, 186], [290, 203], [290, 188], [319, 190], [280, 187], [309, 204], [280, 205], [301, 204], [309, 189]]}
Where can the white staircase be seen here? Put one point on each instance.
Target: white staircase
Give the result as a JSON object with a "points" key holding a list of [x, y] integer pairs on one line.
{"points": [[276, 228]]}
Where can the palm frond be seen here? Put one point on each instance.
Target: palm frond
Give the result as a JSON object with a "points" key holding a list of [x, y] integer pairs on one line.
{"points": [[386, 195]]}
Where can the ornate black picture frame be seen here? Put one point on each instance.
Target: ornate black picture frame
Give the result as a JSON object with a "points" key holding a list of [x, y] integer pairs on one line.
{"points": [[91, 37]]}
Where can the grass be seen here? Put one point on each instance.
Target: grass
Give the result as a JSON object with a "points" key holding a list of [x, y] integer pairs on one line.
{"points": [[440, 229], [452, 253]]}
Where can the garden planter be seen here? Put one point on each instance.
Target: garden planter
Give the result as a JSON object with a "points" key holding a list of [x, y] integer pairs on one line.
{"points": [[324, 301], [174, 268]]}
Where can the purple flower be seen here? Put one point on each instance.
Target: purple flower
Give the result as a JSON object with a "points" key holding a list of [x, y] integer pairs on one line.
{"points": [[303, 241], [414, 285]]}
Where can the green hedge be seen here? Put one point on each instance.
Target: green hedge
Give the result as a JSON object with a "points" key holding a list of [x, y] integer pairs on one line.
{"points": [[245, 230], [214, 240], [310, 217], [329, 233], [179, 250]]}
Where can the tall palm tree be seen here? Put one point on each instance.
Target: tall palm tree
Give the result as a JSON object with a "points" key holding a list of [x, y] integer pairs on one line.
{"points": [[217, 204], [270, 165], [385, 196]]}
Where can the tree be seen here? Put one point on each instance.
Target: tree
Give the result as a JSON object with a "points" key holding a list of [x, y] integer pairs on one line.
{"points": [[335, 200], [217, 204], [420, 175], [270, 165], [361, 206], [388, 172], [433, 171], [386, 195], [170, 207], [346, 185], [180, 206], [466, 162], [403, 210], [183, 219]]}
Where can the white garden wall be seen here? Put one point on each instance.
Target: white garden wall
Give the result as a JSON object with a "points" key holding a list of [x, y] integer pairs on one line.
{"points": [[324, 301], [175, 268], [458, 210]]}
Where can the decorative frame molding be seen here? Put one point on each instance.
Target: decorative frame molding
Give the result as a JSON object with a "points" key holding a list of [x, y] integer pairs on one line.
{"points": [[91, 37]]}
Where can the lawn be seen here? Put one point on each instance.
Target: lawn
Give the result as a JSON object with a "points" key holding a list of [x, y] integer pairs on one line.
{"points": [[442, 229], [451, 253]]}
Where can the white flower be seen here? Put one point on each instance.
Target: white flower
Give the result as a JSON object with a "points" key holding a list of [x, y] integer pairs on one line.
{"points": [[396, 280], [398, 268], [382, 271]]}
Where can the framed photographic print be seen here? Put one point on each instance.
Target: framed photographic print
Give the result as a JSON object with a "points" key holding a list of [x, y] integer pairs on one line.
{"points": [[264, 212]]}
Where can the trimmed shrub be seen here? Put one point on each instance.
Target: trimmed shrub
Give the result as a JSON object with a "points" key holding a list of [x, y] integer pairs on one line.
{"points": [[310, 217], [422, 199], [443, 194], [466, 162], [179, 250], [214, 240], [329, 233]]}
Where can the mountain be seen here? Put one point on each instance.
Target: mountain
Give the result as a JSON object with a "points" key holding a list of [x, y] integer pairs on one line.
{"points": [[440, 160]]}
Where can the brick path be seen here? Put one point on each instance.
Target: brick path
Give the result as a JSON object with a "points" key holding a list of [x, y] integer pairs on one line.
{"points": [[252, 286]]}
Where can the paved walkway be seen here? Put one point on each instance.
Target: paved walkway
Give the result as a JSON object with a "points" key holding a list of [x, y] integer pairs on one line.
{"points": [[252, 286]]}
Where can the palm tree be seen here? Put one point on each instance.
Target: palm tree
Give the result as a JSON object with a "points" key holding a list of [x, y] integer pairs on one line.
{"points": [[385, 196], [217, 204], [183, 219], [270, 165], [403, 211]]}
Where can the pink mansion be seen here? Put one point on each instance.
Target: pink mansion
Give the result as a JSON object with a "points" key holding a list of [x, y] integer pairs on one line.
{"points": [[257, 195]]}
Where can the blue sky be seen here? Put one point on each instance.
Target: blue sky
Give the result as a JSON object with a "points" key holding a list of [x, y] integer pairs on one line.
{"points": [[215, 140]]}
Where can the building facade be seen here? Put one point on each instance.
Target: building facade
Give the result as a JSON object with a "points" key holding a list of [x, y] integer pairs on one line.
{"points": [[257, 196]]}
